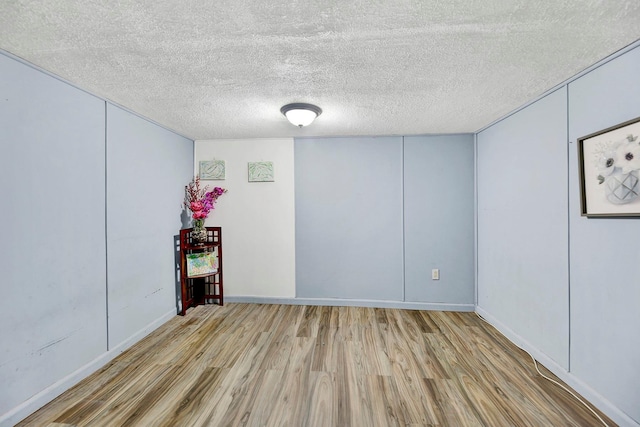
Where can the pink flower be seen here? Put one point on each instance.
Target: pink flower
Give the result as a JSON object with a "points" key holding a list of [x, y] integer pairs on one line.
{"points": [[200, 201]]}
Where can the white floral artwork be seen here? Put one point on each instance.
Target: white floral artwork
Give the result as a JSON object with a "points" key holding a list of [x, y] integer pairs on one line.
{"points": [[212, 169], [261, 172], [611, 171]]}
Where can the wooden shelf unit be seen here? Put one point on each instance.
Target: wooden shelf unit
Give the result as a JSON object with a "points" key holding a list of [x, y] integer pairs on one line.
{"points": [[200, 290]]}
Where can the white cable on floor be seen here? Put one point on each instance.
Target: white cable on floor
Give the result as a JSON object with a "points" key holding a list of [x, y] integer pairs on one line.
{"points": [[535, 363]]}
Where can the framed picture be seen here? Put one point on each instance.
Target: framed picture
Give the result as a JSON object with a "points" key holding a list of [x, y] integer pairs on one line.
{"points": [[609, 164], [201, 264], [261, 172], [212, 169]]}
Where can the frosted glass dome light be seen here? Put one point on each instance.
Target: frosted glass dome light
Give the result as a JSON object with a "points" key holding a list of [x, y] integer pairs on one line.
{"points": [[301, 114]]}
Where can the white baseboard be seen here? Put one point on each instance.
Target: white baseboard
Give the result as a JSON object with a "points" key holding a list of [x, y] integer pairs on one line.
{"points": [[37, 401], [612, 411], [352, 303]]}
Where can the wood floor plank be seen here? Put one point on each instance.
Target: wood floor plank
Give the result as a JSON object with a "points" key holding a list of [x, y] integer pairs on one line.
{"points": [[310, 322], [347, 324], [352, 389], [408, 376], [386, 402], [191, 409], [261, 406], [321, 409], [277, 365], [324, 352], [288, 406], [284, 332], [151, 406], [375, 352], [128, 399], [508, 364], [342, 396], [455, 406], [242, 378], [239, 412], [472, 369]]}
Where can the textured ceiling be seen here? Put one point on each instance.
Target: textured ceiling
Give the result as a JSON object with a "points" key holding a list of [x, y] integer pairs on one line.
{"points": [[222, 69]]}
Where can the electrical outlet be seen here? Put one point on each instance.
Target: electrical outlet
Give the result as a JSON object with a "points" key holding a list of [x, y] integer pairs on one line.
{"points": [[435, 274]]}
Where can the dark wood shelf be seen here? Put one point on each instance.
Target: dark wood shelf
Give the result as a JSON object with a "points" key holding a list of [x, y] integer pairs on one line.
{"points": [[201, 247], [203, 288]]}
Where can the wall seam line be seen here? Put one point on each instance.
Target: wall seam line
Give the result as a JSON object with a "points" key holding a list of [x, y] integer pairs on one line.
{"points": [[106, 231], [568, 237], [404, 239], [475, 216]]}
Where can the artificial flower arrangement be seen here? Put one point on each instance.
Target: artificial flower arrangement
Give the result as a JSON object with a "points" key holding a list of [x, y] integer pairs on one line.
{"points": [[200, 201], [618, 167]]}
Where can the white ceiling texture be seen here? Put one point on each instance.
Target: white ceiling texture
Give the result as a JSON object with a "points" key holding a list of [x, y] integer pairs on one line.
{"points": [[223, 68]]}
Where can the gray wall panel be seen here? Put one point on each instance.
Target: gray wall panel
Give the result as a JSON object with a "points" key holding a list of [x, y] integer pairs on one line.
{"points": [[439, 218], [605, 252], [349, 218], [54, 328], [52, 310], [523, 225], [147, 169]]}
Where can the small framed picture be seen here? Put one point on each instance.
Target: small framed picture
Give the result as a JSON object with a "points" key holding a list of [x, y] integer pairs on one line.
{"points": [[261, 172], [609, 165], [212, 169], [201, 264]]}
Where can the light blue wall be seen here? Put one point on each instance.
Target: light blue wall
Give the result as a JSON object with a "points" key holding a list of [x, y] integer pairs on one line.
{"points": [[438, 218], [58, 322], [147, 169], [349, 218], [374, 216], [522, 225], [605, 252], [52, 178], [565, 286]]}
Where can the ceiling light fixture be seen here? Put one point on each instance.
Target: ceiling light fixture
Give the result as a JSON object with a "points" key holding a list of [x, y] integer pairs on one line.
{"points": [[300, 114]]}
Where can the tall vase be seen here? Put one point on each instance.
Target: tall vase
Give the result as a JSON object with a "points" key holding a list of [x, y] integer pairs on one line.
{"points": [[199, 232]]}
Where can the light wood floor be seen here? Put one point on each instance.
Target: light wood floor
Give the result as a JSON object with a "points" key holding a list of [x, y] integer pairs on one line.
{"points": [[279, 365]]}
